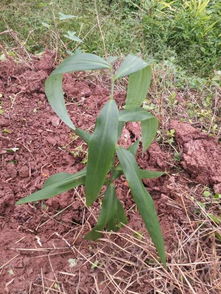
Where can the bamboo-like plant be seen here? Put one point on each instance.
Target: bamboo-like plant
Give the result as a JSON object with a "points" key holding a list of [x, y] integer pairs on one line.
{"points": [[103, 148]]}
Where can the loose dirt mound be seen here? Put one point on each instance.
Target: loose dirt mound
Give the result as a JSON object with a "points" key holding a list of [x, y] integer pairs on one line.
{"points": [[42, 249], [201, 155]]}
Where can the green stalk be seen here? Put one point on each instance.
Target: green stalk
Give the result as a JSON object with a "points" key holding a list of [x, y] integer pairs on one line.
{"points": [[112, 86]]}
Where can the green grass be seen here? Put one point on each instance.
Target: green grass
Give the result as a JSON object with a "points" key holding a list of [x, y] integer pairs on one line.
{"points": [[182, 36], [188, 30], [184, 32], [30, 18], [183, 39]]}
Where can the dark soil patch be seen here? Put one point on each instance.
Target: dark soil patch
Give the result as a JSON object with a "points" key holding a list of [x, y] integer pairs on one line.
{"points": [[42, 249]]}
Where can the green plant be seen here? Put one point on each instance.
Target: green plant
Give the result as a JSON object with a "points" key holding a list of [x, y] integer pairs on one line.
{"points": [[102, 166], [41, 24], [188, 31]]}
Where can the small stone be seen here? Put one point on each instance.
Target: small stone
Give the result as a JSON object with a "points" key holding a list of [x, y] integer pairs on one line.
{"points": [[53, 202], [55, 121], [24, 172], [11, 169], [86, 92], [52, 141], [3, 122]]}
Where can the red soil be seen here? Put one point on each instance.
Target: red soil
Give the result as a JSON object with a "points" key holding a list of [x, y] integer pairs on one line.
{"points": [[35, 239]]}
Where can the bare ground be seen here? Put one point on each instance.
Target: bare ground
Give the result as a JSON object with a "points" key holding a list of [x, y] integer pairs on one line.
{"points": [[42, 249]]}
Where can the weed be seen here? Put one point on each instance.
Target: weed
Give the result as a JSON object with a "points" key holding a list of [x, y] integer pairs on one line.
{"points": [[208, 194], [6, 131], [1, 110], [185, 33], [170, 136], [102, 167], [12, 150], [187, 30]]}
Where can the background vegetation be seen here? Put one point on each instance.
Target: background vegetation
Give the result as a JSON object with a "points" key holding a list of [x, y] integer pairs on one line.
{"points": [[186, 33], [183, 37]]}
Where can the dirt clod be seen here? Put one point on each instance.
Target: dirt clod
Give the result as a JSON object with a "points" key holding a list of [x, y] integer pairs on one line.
{"points": [[201, 154], [3, 122], [24, 172]]}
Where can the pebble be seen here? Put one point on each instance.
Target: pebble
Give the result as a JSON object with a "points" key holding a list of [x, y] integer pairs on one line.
{"points": [[11, 169], [55, 121], [24, 172], [52, 141], [4, 122]]}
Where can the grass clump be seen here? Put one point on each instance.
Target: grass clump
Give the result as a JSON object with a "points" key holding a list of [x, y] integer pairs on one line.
{"points": [[188, 30], [185, 32]]}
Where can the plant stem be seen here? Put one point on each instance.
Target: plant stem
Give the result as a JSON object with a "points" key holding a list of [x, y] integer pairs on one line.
{"points": [[112, 87]]}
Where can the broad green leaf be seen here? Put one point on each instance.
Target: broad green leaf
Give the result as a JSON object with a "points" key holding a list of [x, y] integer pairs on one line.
{"points": [[112, 59], [57, 178], [150, 174], [111, 215], [52, 188], [134, 147], [80, 62], [142, 199], [149, 129], [149, 124], [54, 92], [101, 150], [138, 85], [143, 173], [72, 36], [138, 114], [53, 85], [130, 65], [117, 171]]}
